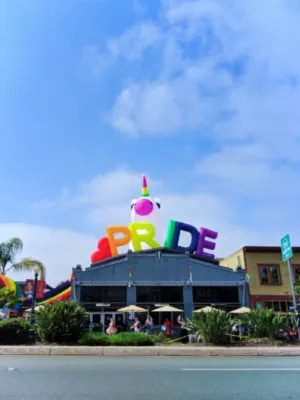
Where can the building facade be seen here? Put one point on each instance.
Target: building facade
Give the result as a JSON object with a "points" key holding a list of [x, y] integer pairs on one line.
{"points": [[151, 278], [269, 285]]}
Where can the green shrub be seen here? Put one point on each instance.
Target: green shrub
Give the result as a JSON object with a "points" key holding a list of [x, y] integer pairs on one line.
{"points": [[264, 323], [93, 339], [213, 327], [130, 339], [8, 298], [16, 331], [60, 322], [160, 338]]}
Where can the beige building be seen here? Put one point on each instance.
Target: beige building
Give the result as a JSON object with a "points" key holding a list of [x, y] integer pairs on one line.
{"points": [[269, 284]]}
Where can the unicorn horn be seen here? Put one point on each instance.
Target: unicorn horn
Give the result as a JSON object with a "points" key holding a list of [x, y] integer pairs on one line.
{"points": [[145, 191]]}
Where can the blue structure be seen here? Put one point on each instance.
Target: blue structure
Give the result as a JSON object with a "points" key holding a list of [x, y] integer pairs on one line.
{"points": [[156, 277]]}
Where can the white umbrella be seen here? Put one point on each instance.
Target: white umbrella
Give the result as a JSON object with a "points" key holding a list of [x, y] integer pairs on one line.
{"points": [[132, 309], [167, 308], [206, 309], [241, 310]]}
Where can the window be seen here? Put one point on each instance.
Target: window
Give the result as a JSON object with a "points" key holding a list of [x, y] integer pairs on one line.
{"points": [[98, 294], [269, 274], [164, 294], [264, 276], [283, 306], [296, 273], [277, 306], [269, 304]]}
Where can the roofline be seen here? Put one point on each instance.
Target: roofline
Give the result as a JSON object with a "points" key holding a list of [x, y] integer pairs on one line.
{"points": [[267, 249], [153, 251]]}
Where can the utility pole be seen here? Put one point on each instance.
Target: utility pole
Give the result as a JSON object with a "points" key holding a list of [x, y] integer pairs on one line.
{"points": [[287, 254]]}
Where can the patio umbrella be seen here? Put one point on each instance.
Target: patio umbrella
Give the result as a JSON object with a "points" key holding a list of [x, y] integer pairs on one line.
{"points": [[206, 309], [167, 308], [132, 309], [241, 310]]}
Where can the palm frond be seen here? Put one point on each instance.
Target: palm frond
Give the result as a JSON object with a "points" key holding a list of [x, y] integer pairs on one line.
{"points": [[31, 264], [264, 323], [213, 327], [8, 252]]}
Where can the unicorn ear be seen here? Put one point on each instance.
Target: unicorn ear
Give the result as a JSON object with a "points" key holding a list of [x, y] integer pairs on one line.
{"points": [[157, 201]]}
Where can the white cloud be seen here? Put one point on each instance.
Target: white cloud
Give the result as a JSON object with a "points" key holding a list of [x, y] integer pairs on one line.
{"points": [[140, 113], [250, 169], [195, 91], [112, 187], [58, 249], [143, 35], [96, 60]]}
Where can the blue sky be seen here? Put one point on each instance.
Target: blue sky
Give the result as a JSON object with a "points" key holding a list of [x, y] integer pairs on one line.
{"points": [[202, 96]]}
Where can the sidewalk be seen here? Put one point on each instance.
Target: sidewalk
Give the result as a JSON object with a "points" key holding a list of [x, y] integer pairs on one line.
{"points": [[136, 351]]}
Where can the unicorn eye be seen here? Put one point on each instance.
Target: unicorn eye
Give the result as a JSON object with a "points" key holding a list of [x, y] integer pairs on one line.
{"points": [[132, 204], [157, 202]]}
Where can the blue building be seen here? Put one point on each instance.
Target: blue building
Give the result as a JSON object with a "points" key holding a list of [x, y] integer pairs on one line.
{"points": [[151, 278]]}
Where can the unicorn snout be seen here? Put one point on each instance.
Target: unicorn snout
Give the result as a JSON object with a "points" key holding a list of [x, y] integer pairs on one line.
{"points": [[143, 207]]}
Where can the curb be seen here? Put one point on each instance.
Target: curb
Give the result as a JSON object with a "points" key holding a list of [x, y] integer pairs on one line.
{"points": [[147, 351]]}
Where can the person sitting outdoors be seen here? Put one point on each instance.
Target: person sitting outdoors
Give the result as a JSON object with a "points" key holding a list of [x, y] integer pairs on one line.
{"points": [[168, 326], [111, 330], [183, 331], [136, 327], [149, 325]]}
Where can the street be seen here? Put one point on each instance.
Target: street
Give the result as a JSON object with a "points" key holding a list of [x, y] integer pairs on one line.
{"points": [[167, 378]]}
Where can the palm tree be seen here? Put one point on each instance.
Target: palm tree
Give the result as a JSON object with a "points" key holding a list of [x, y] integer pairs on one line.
{"points": [[8, 253], [31, 264]]}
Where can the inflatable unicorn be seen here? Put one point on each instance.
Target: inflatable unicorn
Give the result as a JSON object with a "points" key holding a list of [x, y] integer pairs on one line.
{"points": [[146, 209]]}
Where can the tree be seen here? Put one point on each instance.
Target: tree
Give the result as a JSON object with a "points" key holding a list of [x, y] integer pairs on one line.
{"points": [[8, 253]]}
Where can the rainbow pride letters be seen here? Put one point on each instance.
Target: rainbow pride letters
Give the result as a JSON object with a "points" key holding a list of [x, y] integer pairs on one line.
{"points": [[144, 232]]}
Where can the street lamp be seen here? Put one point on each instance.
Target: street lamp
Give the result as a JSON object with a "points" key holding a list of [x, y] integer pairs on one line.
{"points": [[36, 274]]}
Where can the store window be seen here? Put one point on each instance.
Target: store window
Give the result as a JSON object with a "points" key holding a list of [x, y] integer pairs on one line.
{"points": [[283, 306], [95, 294], [269, 304], [296, 273], [167, 294], [269, 274], [277, 306]]}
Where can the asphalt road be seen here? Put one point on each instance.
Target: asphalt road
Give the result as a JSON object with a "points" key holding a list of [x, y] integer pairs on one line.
{"points": [[63, 378]]}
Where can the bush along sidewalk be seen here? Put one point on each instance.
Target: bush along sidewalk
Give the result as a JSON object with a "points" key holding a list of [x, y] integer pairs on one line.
{"points": [[120, 339], [93, 339], [60, 322], [16, 331], [213, 327]]}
